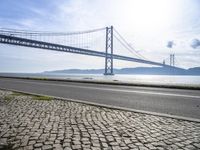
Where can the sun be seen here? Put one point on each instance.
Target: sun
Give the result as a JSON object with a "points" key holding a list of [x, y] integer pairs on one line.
{"points": [[149, 15]]}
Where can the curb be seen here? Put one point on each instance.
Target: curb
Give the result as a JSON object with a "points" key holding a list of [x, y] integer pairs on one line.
{"points": [[111, 107]]}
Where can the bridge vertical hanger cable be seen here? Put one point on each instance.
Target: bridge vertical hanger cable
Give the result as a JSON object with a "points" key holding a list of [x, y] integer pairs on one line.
{"points": [[75, 36], [127, 45]]}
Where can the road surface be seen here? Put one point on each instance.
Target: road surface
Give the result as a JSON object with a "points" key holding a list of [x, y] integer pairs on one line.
{"points": [[185, 103]]}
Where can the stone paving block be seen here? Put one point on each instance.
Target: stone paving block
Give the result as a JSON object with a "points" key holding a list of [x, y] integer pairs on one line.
{"points": [[30, 147], [38, 145], [47, 147], [76, 146]]}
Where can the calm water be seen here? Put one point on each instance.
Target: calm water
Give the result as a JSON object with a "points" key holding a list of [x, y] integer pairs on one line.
{"points": [[147, 79]]}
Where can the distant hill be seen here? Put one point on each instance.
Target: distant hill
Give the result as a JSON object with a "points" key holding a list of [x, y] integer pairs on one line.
{"points": [[137, 70], [194, 71]]}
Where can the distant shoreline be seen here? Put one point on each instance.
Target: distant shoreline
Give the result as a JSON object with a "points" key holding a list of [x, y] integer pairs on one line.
{"points": [[134, 71]]}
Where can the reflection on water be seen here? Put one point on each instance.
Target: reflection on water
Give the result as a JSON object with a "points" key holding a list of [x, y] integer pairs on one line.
{"points": [[151, 79]]}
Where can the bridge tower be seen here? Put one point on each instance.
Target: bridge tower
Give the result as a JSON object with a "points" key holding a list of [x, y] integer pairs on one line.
{"points": [[109, 51], [172, 60]]}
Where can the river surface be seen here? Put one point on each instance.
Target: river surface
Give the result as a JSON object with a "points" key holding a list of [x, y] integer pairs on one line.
{"points": [[140, 79]]}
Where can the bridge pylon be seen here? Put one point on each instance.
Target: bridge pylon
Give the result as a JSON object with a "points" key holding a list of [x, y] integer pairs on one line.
{"points": [[109, 51]]}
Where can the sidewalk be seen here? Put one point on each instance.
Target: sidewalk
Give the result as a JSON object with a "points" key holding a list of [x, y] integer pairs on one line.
{"points": [[28, 123]]}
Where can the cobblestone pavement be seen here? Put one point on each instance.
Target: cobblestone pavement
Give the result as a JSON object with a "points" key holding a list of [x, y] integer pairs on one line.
{"points": [[26, 123]]}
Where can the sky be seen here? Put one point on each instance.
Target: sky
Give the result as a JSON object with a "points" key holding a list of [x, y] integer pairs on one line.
{"points": [[155, 28]]}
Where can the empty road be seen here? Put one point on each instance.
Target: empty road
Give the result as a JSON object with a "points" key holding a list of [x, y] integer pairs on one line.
{"points": [[185, 103]]}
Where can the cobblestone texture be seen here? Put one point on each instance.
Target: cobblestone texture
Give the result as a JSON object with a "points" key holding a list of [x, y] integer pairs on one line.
{"points": [[32, 124]]}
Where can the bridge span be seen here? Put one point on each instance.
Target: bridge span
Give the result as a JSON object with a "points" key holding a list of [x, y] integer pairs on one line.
{"points": [[11, 38]]}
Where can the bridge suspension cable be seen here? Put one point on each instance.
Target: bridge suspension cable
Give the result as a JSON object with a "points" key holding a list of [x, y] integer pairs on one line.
{"points": [[88, 39], [126, 45], [45, 33]]}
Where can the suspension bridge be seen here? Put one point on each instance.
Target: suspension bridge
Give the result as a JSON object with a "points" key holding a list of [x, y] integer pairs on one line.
{"points": [[103, 42]]}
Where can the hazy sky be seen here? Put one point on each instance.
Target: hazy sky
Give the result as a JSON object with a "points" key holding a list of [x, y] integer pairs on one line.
{"points": [[155, 28]]}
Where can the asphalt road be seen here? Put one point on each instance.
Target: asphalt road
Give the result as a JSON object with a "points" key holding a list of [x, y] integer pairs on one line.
{"points": [[185, 103]]}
